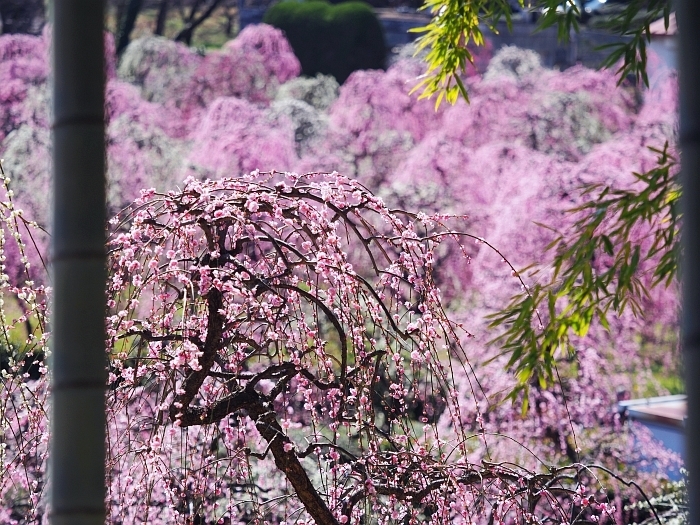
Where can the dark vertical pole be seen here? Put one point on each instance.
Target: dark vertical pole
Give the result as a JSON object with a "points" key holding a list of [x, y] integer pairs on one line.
{"points": [[77, 476], [688, 16]]}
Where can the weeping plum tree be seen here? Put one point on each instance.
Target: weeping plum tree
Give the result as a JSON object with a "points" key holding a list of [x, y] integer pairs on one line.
{"points": [[237, 304]]}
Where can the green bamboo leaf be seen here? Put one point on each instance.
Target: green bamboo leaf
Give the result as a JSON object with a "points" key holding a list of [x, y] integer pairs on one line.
{"points": [[608, 245]]}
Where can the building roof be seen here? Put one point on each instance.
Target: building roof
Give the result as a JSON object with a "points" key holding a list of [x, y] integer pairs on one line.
{"points": [[665, 410], [658, 28]]}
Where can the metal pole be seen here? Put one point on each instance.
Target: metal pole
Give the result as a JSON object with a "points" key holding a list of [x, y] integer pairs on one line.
{"points": [[688, 16], [77, 471]]}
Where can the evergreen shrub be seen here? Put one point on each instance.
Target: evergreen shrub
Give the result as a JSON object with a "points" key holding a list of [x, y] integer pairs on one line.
{"points": [[331, 39]]}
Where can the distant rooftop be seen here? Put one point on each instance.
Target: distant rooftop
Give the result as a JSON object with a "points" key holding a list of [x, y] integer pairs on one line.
{"points": [[658, 28], [666, 410]]}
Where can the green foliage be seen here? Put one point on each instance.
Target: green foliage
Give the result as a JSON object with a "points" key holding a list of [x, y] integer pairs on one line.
{"points": [[595, 271], [634, 23], [331, 39], [457, 23]]}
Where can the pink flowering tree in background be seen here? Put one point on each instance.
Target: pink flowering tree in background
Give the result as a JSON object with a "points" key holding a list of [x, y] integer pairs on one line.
{"points": [[319, 92], [230, 138], [288, 348], [160, 67], [23, 67], [252, 66], [374, 122]]}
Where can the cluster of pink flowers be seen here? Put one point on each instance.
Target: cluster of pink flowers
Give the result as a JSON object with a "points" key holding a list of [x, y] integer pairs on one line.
{"points": [[266, 319]]}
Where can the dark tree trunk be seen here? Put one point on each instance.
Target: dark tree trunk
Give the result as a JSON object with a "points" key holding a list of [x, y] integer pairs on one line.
{"points": [[162, 17], [194, 21], [22, 16], [231, 15], [119, 13], [288, 462], [185, 36], [126, 26]]}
